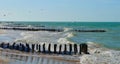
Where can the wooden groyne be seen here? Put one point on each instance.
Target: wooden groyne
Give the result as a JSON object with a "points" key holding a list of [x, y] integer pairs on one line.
{"points": [[65, 49], [50, 29], [90, 30], [31, 29]]}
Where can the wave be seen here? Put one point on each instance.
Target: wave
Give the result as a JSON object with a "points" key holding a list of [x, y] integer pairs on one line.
{"points": [[45, 37], [64, 41], [67, 29], [94, 44], [66, 38], [100, 55]]}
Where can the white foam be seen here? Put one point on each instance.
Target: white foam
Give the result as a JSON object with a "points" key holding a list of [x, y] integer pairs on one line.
{"points": [[10, 36], [40, 36], [100, 55], [64, 41], [70, 34], [67, 29], [106, 57]]}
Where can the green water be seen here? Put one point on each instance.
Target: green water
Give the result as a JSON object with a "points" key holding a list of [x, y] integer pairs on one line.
{"points": [[109, 39]]}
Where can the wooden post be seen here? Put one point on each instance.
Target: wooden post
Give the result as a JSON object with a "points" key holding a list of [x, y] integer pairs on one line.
{"points": [[37, 47], [49, 48], [80, 46], [65, 49], [70, 48], [60, 46], [23, 47], [17, 47], [44, 48], [8, 45], [13, 46], [75, 48], [33, 47], [27, 48], [2, 45], [84, 48], [20, 47], [55, 46]]}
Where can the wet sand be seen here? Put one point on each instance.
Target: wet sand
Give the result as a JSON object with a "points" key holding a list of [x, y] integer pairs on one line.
{"points": [[35, 58], [3, 61]]}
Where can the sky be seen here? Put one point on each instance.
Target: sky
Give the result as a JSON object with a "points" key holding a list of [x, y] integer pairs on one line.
{"points": [[60, 10]]}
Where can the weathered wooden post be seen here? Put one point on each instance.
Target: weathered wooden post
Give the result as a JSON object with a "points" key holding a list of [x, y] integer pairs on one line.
{"points": [[80, 48], [55, 46], [4, 46], [33, 47], [13, 46], [23, 47], [75, 49], [49, 48], [60, 46], [44, 48], [37, 47], [17, 47], [20, 47], [27, 48], [8, 45], [65, 49], [70, 48], [84, 48], [1, 45]]}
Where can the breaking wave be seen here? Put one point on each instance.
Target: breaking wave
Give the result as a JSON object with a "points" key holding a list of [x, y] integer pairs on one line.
{"points": [[67, 29], [45, 37]]}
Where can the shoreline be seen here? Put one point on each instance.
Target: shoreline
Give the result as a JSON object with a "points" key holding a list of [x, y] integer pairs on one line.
{"points": [[3, 61], [66, 58], [97, 56]]}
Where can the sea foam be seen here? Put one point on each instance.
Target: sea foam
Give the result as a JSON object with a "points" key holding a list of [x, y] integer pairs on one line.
{"points": [[106, 57], [100, 55]]}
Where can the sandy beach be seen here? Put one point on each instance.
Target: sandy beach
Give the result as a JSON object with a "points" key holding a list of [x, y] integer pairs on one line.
{"points": [[97, 56], [3, 60], [16, 54]]}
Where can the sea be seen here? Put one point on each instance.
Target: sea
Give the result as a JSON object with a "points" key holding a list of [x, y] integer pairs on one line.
{"points": [[109, 39]]}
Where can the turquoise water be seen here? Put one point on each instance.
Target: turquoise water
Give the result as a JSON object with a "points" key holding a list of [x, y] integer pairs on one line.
{"points": [[109, 39]]}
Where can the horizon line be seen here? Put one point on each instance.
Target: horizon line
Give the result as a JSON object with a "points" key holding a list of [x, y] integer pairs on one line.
{"points": [[53, 21]]}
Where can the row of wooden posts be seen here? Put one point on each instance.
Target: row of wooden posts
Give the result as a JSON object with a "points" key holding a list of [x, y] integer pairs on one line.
{"points": [[46, 29], [32, 29], [73, 48]]}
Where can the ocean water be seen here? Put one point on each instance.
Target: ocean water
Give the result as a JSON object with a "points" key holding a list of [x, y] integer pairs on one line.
{"points": [[109, 39]]}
